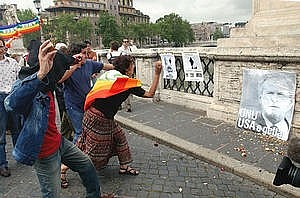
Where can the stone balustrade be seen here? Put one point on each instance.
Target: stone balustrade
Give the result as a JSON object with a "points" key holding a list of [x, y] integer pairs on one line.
{"points": [[228, 71], [270, 41]]}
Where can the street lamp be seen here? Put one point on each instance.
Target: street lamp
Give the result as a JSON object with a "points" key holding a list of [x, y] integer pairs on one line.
{"points": [[38, 6]]}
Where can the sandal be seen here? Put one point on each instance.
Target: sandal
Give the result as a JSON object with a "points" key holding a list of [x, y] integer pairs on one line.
{"points": [[103, 195], [63, 179], [128, 171]]}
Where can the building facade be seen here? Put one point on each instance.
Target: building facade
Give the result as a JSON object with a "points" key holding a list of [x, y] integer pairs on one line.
{"points": [[3, 8], [92, 9]]}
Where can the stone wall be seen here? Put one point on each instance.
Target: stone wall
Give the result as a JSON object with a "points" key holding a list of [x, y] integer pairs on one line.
{"points": [[228, 73]]}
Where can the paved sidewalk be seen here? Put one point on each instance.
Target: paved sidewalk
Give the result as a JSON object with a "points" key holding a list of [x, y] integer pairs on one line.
{"points": [[244, 153], [164, 173]]}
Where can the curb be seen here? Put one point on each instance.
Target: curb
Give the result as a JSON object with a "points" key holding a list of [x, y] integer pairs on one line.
{"points": [[255, 174]]}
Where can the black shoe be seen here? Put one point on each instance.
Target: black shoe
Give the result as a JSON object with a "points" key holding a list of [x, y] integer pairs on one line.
{"points": [[282, 174], [129, 110], [4, 172]]}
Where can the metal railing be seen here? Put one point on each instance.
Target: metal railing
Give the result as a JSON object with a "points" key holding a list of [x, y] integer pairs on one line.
{"points": [[204, 88]]}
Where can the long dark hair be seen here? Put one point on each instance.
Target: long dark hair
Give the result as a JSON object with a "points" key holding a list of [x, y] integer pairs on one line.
{"points": [[75, 48], [122, 63]]}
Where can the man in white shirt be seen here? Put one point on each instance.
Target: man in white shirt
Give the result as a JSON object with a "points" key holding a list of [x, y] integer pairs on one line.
{"points": [[125, 48], [9, 69]]}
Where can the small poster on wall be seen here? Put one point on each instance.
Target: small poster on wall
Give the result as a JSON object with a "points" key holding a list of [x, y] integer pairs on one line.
{"points": [[169, 67], [192, 67], [267, 103]]}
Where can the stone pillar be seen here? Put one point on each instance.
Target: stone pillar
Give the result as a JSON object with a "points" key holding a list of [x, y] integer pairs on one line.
{"points": [[255, 6], [273, 24], [271, 41]]}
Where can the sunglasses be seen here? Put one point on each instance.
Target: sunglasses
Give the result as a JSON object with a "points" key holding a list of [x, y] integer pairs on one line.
{"points": [[125, 41]]}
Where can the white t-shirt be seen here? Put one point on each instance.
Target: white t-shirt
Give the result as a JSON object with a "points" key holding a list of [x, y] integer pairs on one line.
{"points": [[9, 70], [112, 55]]}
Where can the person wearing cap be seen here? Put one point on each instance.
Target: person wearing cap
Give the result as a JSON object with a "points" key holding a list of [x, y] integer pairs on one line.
{"points": [[67, 129], [59, 89], [62, 47]]}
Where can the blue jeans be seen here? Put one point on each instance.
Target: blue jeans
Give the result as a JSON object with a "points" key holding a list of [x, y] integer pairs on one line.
{"points": [[48, 170], [14, 129], [76, 117]]}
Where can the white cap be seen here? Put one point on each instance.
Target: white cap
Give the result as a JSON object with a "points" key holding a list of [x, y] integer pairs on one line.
{"points": [[59, 45]]}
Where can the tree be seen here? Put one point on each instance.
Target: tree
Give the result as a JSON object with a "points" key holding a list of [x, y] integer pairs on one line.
{"points": [[175, 30], [82, 31], [24, 15], [67, 27], [59, 28], [108, 29], [217, 34], [142, 31]]}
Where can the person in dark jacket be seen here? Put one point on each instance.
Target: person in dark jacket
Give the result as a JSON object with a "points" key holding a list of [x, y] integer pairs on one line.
{"points": [[40, 143]]}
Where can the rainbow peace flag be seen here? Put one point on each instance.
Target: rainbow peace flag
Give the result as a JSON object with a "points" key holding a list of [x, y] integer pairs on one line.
{"points": [[29, 26], [110, 83], [18, 29]]}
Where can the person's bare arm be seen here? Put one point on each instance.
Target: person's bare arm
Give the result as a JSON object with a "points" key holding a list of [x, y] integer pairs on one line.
{"points": [[151, 92], [79, 61], [108, 66], [69, 72]]}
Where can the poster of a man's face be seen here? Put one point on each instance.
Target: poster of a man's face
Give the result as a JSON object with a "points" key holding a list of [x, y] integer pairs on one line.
{"points": [[275, 99], [267, 102]]}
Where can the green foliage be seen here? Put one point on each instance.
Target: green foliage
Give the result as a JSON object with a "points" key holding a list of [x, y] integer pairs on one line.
{"points": [[69, 28], [58, 29], [108, 29], [218, 34], [82, 31], [175, 30], [66, 28], [141, 32], [24, 15]]}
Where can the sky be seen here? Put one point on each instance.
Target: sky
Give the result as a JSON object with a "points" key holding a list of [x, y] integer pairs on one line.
{"points": [[194, 11]]}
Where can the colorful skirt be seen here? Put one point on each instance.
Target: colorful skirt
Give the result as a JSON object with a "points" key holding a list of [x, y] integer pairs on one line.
{"points": [[103, 138]]}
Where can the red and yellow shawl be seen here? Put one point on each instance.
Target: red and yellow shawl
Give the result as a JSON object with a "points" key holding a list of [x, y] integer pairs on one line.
{"points": [[110, 83]]}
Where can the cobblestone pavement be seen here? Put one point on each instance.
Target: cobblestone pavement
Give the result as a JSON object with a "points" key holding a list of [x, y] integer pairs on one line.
{"points": [[164, 172]]}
